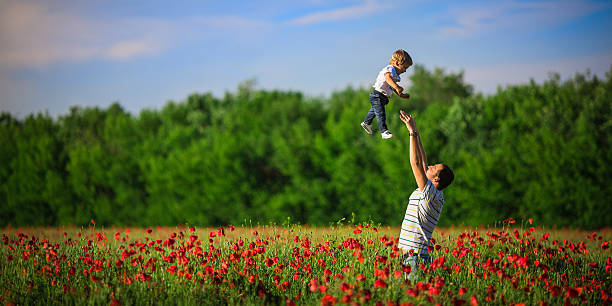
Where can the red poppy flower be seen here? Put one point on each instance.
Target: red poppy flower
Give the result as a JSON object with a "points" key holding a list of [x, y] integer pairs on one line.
{"points": [[380, 284], [328, 300], [572, 292], [554, 290], [433, 291]]}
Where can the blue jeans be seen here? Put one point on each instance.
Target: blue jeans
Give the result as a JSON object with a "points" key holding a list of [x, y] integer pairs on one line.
{"points": [[378, 101], [414, 261]]}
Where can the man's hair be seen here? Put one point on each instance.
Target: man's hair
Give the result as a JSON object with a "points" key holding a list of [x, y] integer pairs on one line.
{"points": [[446, 177], [401, 58]]}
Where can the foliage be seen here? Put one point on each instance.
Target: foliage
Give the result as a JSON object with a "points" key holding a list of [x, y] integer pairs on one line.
{"points": [[533, 150]]}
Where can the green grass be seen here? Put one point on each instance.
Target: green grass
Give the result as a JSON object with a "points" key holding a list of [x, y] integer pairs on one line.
{"points": [[301, 265]]}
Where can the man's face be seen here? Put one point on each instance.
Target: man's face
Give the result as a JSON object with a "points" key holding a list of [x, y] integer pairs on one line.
{"points": [[433, 173]]}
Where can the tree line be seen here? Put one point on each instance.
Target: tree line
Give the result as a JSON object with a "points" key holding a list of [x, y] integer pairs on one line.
{"points": [[540, 151]]}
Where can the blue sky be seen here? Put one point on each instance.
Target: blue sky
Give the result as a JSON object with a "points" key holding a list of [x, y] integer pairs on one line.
{"points": [[55, 54]]}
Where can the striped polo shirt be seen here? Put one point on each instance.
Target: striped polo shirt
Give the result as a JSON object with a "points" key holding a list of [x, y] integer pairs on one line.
{"points": [[422, 215]]}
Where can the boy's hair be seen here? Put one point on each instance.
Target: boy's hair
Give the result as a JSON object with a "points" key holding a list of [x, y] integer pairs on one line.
{"points": [[446, 177], [401, 58]]}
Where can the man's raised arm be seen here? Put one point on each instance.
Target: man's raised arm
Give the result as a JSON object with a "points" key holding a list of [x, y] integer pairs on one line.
{"points": [[416, 160], [423, 155]]}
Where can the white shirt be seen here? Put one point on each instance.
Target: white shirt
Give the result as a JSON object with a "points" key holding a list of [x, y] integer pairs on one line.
{"points": [[421, 218], [381, 83]]}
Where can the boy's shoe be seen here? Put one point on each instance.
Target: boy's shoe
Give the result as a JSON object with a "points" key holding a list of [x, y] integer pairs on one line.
{"points": [[386, 135], [367, 127]]}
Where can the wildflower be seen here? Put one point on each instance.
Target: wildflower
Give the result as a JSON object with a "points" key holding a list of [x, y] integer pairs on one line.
{"points": [[474, 301], [380, 284], [171, 269], [345, 287], [328, 300], [314, 285], [554, 290], [433, 291], [573, 292]]}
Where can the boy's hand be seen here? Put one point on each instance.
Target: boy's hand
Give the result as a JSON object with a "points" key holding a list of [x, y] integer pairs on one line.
{"points": [[399, 90], [404, 95]]}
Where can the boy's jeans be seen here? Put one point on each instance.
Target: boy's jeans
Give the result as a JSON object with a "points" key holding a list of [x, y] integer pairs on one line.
{"points": [[414, 261], [378, 101]]}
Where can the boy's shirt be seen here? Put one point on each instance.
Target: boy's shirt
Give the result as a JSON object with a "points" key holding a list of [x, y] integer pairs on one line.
{"points": [[421, 218], [381, 84]]}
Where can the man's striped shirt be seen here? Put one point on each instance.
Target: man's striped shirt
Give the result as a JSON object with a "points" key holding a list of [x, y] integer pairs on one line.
{"points": [[422, 215]]}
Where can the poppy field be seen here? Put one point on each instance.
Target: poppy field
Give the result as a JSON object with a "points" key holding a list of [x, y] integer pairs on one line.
{"points": [[294, 265]]}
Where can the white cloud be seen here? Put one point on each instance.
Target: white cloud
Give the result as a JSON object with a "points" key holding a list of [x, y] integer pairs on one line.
{"points": [[514, 14], [487, 78], [368, 7], [230, 23], [130, 48], [33, 34]]}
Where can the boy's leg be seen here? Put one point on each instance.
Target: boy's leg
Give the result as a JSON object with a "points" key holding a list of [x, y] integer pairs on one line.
{"points": [[371, 114], [381, 117], [378, 101], [369, 117]]}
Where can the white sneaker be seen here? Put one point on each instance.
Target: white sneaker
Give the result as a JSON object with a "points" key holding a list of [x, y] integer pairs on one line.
{"points": [[367, 127], [386, 135]]}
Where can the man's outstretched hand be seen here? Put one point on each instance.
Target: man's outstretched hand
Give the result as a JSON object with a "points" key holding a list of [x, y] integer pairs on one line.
{"points": [[408, 120]]}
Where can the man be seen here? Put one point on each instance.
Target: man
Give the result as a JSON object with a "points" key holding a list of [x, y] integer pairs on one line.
{"points": [[425, 203]]}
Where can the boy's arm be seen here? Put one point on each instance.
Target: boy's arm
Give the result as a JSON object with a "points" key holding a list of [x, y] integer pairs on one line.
{"points": [[416, 161], [396, 88]]}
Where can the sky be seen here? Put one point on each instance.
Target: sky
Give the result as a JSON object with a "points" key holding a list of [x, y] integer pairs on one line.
{"points": [[142, 54]]}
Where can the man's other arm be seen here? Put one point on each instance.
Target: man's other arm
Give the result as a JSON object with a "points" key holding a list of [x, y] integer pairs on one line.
{"points": [[416, 160]]}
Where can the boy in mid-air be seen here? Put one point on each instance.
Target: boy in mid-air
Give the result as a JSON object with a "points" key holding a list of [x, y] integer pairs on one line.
{"points": [[384, 87]]}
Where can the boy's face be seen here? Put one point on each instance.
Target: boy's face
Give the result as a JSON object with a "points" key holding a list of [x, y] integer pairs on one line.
{"points": [[402, 69]]}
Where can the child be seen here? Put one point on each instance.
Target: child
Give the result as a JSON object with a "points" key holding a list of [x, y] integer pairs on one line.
{"points": [[384, 87]]}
